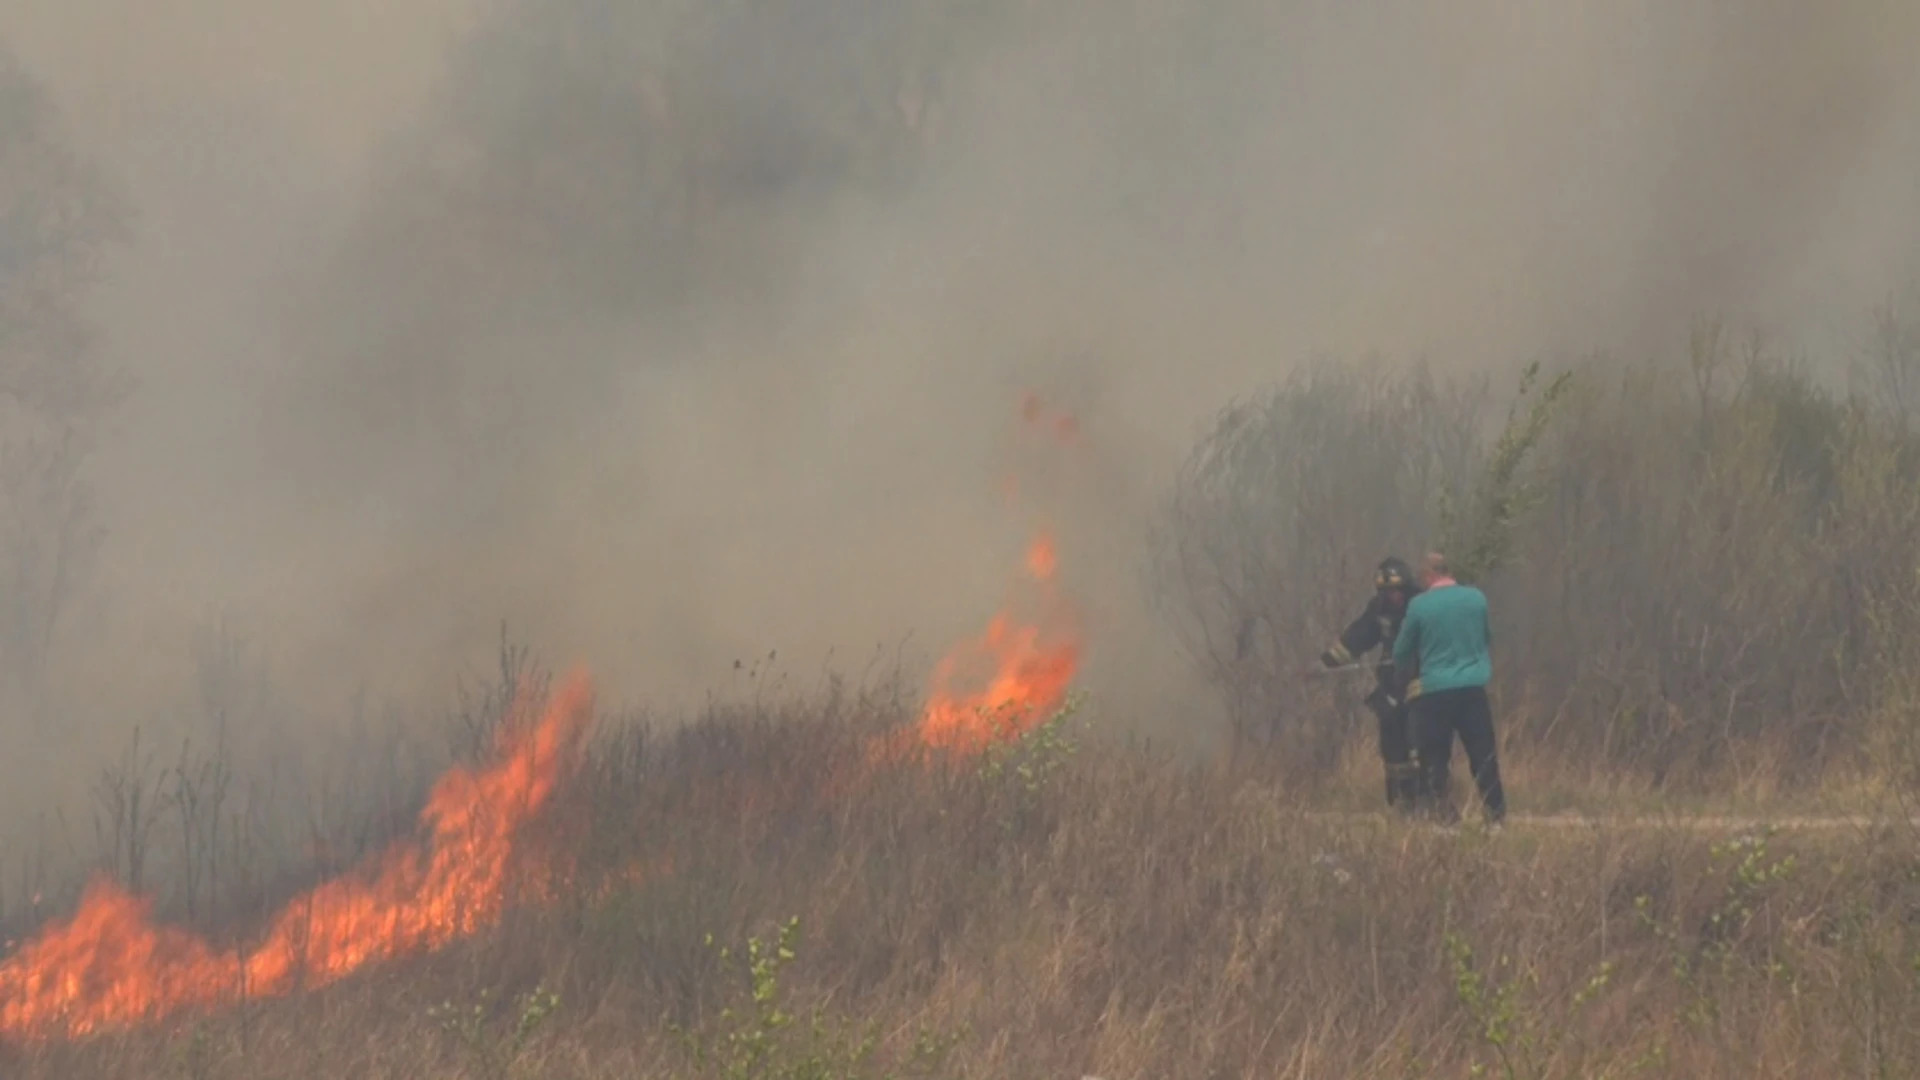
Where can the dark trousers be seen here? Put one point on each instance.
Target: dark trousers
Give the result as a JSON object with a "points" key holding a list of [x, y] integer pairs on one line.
{"points": [[1396, 751], [1437, 718]]}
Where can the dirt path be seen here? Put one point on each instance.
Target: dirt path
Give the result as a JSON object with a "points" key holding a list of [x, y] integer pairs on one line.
{"points": [[1712, 823], [1695, 823]]}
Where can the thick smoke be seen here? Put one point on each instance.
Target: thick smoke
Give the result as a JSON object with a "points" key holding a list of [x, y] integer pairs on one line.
{"points": [[675, 338]]}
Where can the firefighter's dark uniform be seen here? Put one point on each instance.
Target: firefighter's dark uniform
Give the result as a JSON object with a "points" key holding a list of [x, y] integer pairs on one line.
{"points": [[1377, 627]]}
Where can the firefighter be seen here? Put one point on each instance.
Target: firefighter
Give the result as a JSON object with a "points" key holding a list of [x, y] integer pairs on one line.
{"points": [[1378, 626]]}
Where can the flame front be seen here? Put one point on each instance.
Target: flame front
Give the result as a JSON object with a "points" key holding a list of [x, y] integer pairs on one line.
{"points": [[1030, 666], [1021, 667], [109, 965]]}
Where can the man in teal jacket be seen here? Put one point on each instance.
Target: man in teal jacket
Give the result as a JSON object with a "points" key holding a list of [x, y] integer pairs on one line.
{"points": [[1445, 643]]}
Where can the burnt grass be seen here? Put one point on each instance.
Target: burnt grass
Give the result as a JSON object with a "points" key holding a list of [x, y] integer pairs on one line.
{"points": [[1081, 906]]}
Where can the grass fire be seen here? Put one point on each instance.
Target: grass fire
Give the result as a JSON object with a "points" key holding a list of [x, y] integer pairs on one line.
{"points": [[109, 965], [862, 540]]}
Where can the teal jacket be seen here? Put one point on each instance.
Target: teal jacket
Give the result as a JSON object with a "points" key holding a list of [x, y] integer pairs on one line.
{"points": [[1445, 641]]}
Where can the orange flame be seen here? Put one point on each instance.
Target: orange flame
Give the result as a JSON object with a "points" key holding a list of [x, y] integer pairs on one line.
{"points": [[1062, 424], [1041, 559], [109, 965], [1029, 668], [1031, 664]]}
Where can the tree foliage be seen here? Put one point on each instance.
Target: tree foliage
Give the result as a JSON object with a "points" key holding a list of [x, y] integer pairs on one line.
{"points": [[1690, 564], [61, 216], [1289, 495], [1479, 540]]}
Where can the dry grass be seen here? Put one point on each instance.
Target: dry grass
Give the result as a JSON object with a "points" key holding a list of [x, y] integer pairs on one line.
{"points": [[1106, 911]]}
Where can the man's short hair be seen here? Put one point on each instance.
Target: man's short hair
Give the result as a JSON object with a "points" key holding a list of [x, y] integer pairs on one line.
{"points": [[1436, 564]]}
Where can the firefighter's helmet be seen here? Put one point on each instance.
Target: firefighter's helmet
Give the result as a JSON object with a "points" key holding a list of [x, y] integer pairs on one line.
{"points": [[1393, 574]]}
